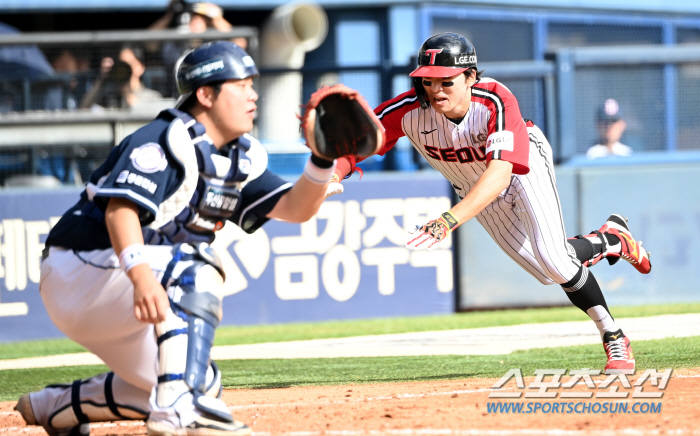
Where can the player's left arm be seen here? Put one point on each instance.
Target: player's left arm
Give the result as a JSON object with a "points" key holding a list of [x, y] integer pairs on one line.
{"points": [[303, 201], [507, 152], [390, 114], [492, 182]]}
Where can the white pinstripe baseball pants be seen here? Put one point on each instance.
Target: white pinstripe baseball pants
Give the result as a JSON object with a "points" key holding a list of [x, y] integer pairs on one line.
{"points": [[527, 222]]}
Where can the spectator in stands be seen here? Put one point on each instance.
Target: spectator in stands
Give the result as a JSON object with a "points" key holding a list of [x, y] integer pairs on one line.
{"points": [[119, 84], [195, 17], [19, 66], [611, 126], [135, 93], [71, 74]]}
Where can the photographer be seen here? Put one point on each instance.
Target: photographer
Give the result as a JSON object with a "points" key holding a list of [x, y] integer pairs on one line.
{"points": [[196, 18], [190, 17], [118, 84]]}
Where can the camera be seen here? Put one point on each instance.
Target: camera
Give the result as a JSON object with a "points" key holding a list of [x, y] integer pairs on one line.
{"points": [[179, 6]]}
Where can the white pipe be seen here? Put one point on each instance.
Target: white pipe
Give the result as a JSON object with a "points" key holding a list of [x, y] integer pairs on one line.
{"points": [[291, 31]]}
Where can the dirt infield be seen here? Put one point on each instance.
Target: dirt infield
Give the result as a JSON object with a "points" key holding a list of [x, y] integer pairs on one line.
{"points": [[457, 407]]}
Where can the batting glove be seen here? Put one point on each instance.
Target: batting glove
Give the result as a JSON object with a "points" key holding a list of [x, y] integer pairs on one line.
{"points": [[335, 187], [427, 236]]}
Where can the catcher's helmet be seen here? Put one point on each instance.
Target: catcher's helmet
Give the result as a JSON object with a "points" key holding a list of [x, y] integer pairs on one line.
{"points": [[445, 55], [211, 62]]}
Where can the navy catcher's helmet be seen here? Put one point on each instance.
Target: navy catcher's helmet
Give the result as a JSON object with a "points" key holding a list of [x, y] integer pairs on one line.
{"points": [[445, 55], [211, 62]]}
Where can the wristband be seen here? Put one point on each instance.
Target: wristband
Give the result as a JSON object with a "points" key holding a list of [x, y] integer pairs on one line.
{"points": [[131, 256], [451, 221], [321, 162], [316, 174]]}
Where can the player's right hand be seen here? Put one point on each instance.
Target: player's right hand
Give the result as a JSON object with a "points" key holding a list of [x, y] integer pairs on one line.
{"points": [[335, 187], [150, 299]]}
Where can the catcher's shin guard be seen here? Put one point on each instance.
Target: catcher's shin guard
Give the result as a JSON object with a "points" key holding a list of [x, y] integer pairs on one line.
{"points": [[67, 409], [186, 336]]}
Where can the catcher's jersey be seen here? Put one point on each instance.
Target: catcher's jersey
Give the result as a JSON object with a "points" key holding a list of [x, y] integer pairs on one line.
{"points": [[492, 129], [144, 169]]}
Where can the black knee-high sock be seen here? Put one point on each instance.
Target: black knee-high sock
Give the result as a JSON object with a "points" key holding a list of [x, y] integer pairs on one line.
{"points": [[584, 292], [587, 249], [584, 249]]}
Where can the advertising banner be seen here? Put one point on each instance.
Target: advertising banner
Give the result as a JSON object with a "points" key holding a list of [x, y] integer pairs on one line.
{"points": [[347, 262]]}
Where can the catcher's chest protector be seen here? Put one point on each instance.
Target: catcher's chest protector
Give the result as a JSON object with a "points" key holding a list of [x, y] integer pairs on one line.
{"points": [[215, 185]]}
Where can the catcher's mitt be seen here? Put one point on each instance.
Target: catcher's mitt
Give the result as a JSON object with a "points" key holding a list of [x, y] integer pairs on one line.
{"points": [[338, 122]]}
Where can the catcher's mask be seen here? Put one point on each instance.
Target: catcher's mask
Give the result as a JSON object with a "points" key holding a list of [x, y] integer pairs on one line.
{"points": [[211, 62], [442, 55]]}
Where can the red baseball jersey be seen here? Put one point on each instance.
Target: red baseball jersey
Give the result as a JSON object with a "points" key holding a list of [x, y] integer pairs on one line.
{"points": [[492, 129]]}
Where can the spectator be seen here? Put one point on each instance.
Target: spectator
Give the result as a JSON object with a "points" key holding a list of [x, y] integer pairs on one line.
{"points": [[19, 64], [119, 84], [71, 74], [135, 93], [611, 126], [193, 18]]}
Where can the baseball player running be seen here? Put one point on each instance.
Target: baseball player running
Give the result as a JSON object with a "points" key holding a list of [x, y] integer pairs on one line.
{"points": [[128, 272], [470, 129]]}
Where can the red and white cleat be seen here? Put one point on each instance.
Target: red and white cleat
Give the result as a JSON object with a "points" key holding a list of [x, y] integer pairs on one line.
{"points": [[632, 250], [619, 351]]}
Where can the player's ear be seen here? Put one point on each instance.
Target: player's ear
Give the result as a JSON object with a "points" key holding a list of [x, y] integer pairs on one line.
{"points": [[205, 95], [470, 76]]}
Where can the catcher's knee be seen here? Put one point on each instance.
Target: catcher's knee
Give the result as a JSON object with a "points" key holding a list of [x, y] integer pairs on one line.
{"points": [[194, 281]]}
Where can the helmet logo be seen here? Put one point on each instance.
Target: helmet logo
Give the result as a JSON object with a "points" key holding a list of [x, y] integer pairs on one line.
{"points": [[205, 69], [248, 61], [466, 59], [433, 52]]}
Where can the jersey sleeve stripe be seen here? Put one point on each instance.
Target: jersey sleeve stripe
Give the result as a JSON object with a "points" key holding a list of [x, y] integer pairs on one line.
{"points": [[497, 102], [129, 194], [397, 105], [262, 199]]}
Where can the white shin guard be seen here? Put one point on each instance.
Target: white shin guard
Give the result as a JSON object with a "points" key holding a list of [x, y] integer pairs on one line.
{"points": [[185, 340]]}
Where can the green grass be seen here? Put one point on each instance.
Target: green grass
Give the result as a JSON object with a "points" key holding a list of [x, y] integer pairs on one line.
{"points": [[228, 335], [279, 373]]}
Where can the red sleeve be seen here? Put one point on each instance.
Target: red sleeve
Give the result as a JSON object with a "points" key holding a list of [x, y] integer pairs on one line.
{"points": [[390, 113], [507, 134], [345, 166]]}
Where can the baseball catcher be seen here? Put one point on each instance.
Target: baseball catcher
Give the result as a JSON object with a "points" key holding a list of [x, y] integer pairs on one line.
{"points": [[128, 271]]}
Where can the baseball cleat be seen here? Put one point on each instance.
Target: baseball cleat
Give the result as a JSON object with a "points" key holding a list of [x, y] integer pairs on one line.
{"points": [[619, 351], [202, 426], [631, 250]]}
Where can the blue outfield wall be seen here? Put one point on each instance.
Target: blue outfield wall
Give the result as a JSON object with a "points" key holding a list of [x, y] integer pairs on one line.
{"points": [[348, 262], [662, 202]]}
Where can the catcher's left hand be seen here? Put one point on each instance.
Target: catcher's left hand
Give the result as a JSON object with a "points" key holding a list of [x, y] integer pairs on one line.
{"points": [[427, 236], [339, 122]]}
